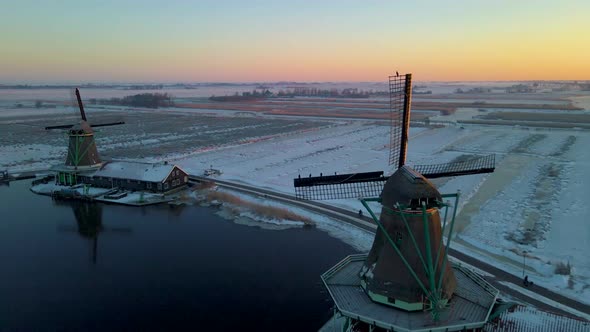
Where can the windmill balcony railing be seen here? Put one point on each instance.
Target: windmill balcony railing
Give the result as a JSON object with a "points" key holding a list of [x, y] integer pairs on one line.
{"points": [[342, 263]]}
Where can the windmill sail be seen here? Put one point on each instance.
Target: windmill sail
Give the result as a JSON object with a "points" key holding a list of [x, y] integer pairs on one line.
{"points": [[80, 105], [83, 116], [400, 95], [355, 185], [370, 184], [478, 165], [93, 125]]}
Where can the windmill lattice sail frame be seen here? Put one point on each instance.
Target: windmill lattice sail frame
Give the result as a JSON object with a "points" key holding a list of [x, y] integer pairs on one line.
{"points": [[370, 184], [400, 96], [356, 185]]}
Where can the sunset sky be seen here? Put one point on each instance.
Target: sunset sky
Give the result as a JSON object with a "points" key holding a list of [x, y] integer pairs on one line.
{"points": [[231, 41]]}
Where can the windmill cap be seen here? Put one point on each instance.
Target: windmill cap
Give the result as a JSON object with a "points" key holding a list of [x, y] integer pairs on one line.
{"points": [[82, 126], [409, 188]]}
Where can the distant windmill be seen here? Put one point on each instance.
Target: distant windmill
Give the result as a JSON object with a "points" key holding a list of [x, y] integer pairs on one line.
{"points": [[407, 265], [82, 153]]}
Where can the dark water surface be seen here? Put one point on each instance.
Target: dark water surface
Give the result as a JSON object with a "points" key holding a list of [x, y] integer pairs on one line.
{"points": [[73, 266]]}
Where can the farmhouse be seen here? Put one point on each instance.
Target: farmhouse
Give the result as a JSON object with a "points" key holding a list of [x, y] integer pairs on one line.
{"points": [[136, 176]]}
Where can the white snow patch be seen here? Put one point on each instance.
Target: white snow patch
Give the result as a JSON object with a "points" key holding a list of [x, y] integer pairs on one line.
{"points": [[545, 300]]}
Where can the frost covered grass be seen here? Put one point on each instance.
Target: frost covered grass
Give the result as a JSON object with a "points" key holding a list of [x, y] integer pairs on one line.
{"points": [[359, 239], [260, 210]]}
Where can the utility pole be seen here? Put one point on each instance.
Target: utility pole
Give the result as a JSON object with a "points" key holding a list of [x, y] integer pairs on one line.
{"points": [[523, 262]]}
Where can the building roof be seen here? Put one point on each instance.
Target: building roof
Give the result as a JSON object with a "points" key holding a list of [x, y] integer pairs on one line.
{"points": [[136, 171]]}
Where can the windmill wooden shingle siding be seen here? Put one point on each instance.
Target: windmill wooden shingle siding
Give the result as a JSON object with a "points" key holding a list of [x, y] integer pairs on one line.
{"points": [[82, 150], [383, 275]]}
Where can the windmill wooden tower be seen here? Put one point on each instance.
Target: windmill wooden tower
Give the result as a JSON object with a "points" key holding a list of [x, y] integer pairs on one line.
{"points": [[406, 273], [82, 153]]}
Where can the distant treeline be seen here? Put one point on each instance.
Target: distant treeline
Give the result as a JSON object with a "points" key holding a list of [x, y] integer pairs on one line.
{"points": [[145, 87], [149, 100], [316, 92], [88, 86], [474, 90], [234, 98], [295, 92]]}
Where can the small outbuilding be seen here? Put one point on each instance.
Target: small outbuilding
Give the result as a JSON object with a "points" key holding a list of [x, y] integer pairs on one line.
{"points": [[137, 176]]}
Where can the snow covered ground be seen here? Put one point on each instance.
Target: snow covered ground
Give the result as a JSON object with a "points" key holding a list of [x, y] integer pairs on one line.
{"points": [[527, 318], [532, 210], [146, 135]]}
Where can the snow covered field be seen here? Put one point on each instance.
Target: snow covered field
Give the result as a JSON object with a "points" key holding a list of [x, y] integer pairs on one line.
{"points": [[535, 204], [532, 210], [25, 145]]}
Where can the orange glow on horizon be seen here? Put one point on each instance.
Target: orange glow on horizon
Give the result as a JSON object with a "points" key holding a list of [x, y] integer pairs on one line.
{"points": [[469, 41]]}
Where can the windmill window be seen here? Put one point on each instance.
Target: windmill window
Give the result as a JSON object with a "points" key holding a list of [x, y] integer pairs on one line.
{"points": [[166, 185], [148, 185], [428, 201]]}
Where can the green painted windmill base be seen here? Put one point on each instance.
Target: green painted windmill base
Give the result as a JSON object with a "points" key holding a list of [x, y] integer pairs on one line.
{"points": [[66, 178], [396, 303]]}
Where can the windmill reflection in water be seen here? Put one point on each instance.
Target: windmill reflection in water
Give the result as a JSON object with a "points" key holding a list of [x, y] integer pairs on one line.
{"points": [[89, 224]]}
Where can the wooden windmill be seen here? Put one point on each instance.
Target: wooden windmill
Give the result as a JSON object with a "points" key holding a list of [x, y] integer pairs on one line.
{"points": [[82, 152], [407, 266]]}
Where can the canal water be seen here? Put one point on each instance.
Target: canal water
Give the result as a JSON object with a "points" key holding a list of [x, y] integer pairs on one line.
{"points": [[81, 266]]}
